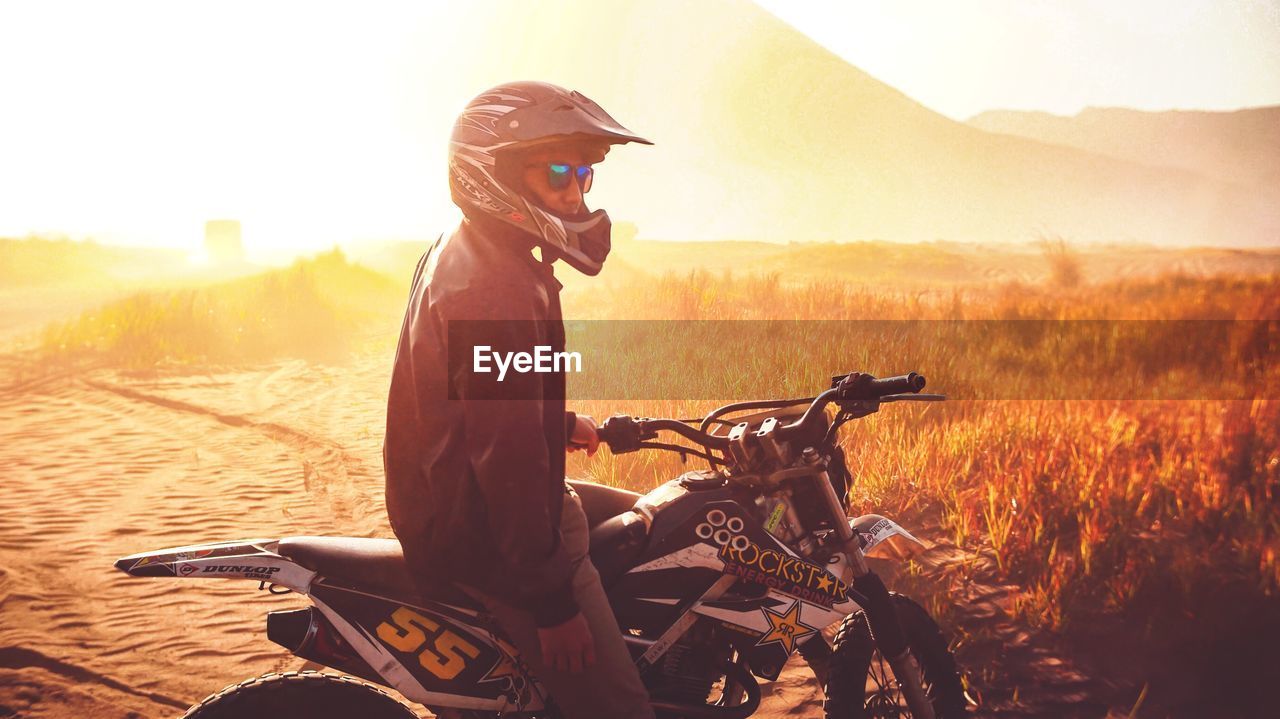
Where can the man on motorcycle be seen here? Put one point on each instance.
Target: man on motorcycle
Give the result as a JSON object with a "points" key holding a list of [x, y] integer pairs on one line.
{"points": [[475, 467]]}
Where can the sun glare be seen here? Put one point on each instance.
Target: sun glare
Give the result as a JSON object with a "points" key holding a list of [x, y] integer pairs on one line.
{"points": [[142, 121], [315, 124]]}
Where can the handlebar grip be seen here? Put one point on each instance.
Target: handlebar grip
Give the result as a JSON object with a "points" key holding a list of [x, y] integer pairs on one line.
{"points": [[857, 386], [910, 382]]}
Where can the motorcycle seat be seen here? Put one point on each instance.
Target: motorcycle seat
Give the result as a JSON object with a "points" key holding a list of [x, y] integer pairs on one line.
{"points": [[368, 564], [378, 566], [616, 544]]}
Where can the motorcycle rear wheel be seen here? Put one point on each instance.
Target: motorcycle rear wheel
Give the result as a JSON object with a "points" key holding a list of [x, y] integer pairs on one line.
{"points": [[300, 695], [861, 685]]}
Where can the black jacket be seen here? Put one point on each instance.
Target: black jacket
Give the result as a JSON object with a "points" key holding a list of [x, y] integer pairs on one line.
{"points": [[475, 484]]}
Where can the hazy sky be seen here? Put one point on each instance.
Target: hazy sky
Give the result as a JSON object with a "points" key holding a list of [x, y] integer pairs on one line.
{"points": [[961, 57], [134, 122]]}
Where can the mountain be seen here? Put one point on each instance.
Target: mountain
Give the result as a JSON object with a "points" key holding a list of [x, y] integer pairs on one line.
{"points": [[763, 134], [1242, 146]]}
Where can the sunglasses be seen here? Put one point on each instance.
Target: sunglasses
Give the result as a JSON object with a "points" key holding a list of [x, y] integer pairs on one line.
{"points": [[560, 174]]}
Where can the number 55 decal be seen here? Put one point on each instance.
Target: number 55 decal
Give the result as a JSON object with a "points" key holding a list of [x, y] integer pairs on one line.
{"points": [[445, 655]]}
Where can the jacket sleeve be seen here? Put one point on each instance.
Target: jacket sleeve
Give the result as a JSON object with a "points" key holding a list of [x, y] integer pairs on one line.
{"points": [[506, 444]]}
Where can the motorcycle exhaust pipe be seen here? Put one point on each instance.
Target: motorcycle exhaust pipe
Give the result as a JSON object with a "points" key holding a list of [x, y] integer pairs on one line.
{"points": [[886, 630], [307, 634]]}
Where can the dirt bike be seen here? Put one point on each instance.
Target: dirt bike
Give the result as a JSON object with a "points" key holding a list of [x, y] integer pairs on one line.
{"points": [[716, 578]]}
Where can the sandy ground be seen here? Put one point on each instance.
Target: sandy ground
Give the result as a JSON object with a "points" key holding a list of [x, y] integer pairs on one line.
{"points": [[103, 464]]}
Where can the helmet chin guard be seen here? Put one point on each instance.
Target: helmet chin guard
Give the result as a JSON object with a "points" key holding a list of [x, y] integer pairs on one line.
{"points": [[515, 117], [592, 233]]}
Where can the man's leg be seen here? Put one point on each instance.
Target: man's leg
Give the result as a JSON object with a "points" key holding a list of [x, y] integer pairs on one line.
{"points": [[609, 688], [601, 502]]}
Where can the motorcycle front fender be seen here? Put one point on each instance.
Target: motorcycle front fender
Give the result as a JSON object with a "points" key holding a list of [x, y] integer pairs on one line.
{"points": [[883, 538]]}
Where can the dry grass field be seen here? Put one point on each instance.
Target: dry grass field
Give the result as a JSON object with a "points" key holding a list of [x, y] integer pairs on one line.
{"points": [[1090, 503], [1127, 542]]}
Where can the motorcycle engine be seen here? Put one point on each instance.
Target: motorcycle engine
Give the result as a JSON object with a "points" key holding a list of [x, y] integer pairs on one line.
{"points": [[688, 671]]}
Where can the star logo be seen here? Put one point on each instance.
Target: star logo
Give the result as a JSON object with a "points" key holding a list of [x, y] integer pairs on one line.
{"points": [[508, 667], [785, 628], [824, 583], [505, 667]]}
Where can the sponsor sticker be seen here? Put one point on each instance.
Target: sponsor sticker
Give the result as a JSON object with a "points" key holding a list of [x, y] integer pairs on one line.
{"points": [[248, 570], [170, 558], [785, 627], [776, 517], [197, 554], [783, 572]]}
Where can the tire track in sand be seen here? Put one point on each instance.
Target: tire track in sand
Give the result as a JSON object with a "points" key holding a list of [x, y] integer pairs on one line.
{"points": [[94, 474], [21, 657], [328, 469]]}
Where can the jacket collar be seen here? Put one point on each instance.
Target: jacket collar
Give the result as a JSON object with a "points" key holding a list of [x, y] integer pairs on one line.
{"points": [[512, 239]]}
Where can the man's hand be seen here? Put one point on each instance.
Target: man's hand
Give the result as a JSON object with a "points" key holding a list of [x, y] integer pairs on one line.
{"points": [[584, 435], [569, 646]]}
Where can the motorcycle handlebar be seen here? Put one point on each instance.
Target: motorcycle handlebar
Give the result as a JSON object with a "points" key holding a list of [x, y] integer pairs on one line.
{"points": [[628, 434]]}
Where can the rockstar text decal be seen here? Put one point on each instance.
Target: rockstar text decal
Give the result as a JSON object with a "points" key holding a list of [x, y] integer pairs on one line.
{"points": [[783, 572]]}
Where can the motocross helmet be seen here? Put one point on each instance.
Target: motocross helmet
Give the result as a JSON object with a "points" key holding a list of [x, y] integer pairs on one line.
{"points": [[508, 119]]}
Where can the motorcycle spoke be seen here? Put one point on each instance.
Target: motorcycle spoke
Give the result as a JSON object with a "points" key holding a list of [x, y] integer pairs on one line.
{"points": [[886, 701]]}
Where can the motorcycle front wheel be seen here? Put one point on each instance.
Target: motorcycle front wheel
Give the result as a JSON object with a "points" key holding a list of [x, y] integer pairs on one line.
{"points": [[300, 695], [861, 684]]}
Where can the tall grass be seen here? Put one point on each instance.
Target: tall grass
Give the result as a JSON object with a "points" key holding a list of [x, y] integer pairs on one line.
{"points": [[1090, 505], [315, 309], [1064, 263]]}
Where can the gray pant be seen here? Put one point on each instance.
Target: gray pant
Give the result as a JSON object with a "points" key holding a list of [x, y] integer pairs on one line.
{"points": [[609, 688], [600, 501]]}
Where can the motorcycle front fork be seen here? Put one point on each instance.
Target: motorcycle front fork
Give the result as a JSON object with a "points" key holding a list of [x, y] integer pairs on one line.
{"points": [[886, 631]]}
